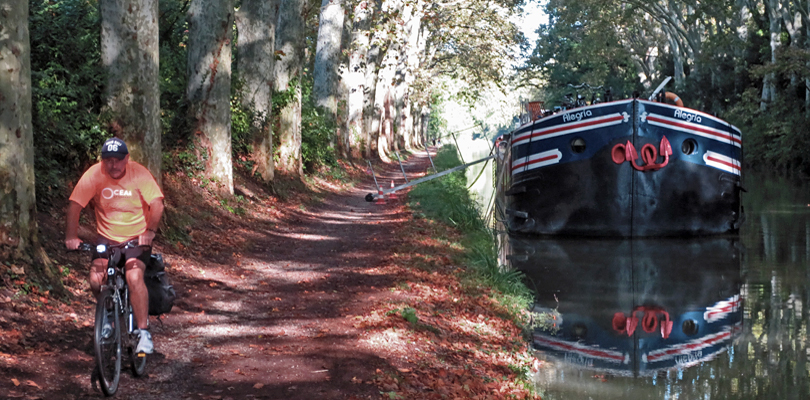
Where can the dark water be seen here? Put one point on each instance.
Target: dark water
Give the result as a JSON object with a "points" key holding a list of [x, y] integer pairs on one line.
{"points": [[716, 318]]}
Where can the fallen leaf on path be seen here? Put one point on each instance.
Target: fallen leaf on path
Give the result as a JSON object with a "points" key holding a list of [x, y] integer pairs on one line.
{"points": [[258, 386], [15, 382], [32, 384]]}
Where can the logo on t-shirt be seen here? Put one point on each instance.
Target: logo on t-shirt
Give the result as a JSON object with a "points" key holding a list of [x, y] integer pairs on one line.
{"points": [[108, 193]]}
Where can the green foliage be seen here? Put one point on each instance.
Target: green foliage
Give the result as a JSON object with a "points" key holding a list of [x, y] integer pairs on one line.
{"points": [[185, 160], [67, 81], [579, 45], [409, 314], [317, 128], [246, 122], [175, 120], [317, 132], [446, 199], [436, 123], [776, 139], [237, 210]]}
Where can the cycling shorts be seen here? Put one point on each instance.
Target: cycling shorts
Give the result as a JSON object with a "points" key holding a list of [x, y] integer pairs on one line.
{"points": [[142, 253]]}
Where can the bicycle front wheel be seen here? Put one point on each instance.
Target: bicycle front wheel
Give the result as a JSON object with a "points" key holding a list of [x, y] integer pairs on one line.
{"points": [[138, 360], [108, 342]]}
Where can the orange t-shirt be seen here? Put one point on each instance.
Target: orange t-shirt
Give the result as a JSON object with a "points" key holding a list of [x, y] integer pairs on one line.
{"points": [[119, 203]]}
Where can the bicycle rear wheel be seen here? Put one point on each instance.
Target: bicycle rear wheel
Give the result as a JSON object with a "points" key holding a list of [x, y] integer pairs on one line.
{"points": [[108, 342]]}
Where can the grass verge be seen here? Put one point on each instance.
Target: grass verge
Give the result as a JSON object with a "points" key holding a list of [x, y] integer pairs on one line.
{"points": [[447, 200], [454, 252]]}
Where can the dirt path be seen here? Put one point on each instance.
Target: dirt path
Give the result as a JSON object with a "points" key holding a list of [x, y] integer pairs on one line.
{"points": [[273, 317]]}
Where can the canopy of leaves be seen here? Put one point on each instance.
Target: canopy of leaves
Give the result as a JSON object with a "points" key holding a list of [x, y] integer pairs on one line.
{"points": [[67, 81]]}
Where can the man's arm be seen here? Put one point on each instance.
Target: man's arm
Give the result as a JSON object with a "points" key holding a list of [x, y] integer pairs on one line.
{"points": [[152, 222], [72, 240]]}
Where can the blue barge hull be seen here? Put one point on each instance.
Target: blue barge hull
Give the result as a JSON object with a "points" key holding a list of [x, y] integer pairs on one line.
{"points": [[629, 168]]}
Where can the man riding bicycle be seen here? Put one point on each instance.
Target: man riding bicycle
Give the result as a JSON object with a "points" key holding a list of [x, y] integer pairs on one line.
{"points": [[128, 205]]}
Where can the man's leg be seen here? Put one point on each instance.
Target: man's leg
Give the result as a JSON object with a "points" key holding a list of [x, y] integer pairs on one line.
{"points": [[98, 273], [138, 295], [139, 298]]}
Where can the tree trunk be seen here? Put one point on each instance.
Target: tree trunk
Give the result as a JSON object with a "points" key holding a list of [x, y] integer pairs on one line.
{"points": [[209, 86], [383, 107], [769, 81], [18, 225], [287, 73], [372, 124], [327, 55], [256, 22], [807, 64], [358, 58], [130, 54]]}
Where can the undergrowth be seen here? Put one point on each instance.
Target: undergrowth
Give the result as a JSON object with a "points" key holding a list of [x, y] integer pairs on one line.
{"points": [[447, 200]]}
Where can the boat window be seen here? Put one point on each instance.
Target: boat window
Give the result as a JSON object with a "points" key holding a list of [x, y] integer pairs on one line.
{"points": [[579, 330], [578, 145], [689, 147], [689, 327]]}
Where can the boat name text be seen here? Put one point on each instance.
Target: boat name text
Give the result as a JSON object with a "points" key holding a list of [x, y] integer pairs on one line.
{"points": [[577, 116], [577, 359], [689, 358], [689, 117]]}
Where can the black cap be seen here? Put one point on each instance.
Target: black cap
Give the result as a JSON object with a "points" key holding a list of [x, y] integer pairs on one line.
{"points": [[114, 147]]}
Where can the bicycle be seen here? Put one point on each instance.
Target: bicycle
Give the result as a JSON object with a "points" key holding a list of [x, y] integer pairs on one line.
{"points": [[115, 326]]}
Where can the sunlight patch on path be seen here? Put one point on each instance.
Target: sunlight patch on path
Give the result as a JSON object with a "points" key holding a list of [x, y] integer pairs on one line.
{"points": [[303, 236], [292, 328]]}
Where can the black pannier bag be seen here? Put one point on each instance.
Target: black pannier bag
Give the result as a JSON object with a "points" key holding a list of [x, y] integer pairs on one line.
{"points": [[161, 292]]}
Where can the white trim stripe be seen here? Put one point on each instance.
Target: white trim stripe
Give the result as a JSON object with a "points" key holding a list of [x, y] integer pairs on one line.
{"points": [[536, 161], [722, 309], [693, 111], [722, 162], [690, 346], [695, 129], [566, 129], [589, 351]]}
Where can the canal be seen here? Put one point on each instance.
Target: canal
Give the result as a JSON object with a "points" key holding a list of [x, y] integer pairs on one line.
{"points": [[710, 318]]}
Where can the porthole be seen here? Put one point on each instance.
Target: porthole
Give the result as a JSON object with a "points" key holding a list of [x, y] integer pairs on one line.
{"points": [[578, 145], [689, 327], [579, 330], [689, 147]]}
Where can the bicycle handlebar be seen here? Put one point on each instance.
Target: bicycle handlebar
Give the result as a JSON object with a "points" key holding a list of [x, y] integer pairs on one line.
{"points": [[84, 246]]}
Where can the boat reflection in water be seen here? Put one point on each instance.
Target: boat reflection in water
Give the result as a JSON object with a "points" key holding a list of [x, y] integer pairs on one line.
{"points": [[632, 307]]}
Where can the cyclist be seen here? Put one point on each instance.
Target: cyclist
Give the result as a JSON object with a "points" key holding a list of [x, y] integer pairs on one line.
{"points": [[128, 205]]}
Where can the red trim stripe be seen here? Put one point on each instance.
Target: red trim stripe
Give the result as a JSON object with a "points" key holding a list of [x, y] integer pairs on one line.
{"points": [[726, 163], [695, 128], [691, 346], [551, 157], [569, 127], [590, 352]]}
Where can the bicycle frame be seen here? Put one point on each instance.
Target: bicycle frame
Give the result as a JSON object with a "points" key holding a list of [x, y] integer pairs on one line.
{"points": [[117, 294], [116, 280]]}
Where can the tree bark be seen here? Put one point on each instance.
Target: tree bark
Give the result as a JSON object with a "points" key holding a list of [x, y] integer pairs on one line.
{"points": [[769, 81], [383, 102], [327, 55], [18, 224], [256, 23], [359, 138], [209, 86], [130, 54], [287, 72]]}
